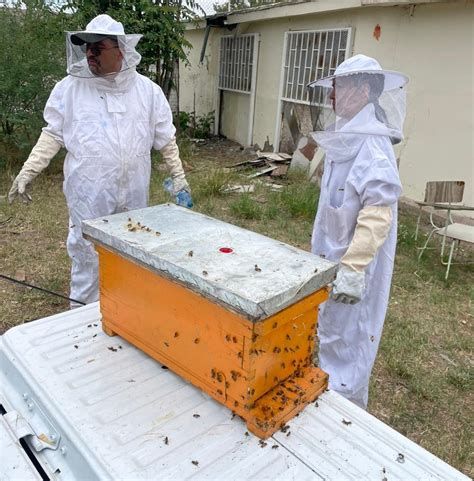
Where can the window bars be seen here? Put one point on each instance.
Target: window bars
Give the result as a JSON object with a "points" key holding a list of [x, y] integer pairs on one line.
{"points": [[236, 63], [309, 56]]}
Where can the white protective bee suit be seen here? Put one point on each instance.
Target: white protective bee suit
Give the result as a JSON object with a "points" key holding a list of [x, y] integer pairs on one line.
{"points": [[356, 222], [108, 124]]}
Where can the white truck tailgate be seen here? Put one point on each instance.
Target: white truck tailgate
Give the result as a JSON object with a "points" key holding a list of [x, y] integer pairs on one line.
{"points": [[98, 408]]}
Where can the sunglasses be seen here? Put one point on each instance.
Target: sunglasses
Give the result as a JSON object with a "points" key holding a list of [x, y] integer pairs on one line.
{"points": [[95, 48]]}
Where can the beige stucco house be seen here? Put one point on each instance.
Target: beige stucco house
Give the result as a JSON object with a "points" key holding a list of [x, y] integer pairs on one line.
{"points": [[257, 62]]}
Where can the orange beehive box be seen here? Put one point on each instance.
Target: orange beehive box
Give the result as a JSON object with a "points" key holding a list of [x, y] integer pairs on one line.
{"points": [[229, 310]]}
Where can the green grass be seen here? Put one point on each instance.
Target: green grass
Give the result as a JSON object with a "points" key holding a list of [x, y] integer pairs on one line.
{"points": [[422, 383]]}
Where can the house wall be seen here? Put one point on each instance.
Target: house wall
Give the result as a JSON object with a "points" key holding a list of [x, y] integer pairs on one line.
{"points": [[431, 43], [198, 82]]}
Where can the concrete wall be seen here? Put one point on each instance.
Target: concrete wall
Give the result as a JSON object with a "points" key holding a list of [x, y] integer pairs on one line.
{"points": [[431, 43]]}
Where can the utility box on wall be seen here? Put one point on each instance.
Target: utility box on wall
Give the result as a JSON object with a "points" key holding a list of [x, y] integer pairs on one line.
{"points": [[231, 311]]}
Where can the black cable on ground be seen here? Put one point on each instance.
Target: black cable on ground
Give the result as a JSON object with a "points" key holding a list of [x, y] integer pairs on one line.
{"points": [[40, 289]]}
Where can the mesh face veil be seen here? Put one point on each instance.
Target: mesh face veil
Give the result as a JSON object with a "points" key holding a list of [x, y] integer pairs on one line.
{"points": [[100, 28], [360, 98]]}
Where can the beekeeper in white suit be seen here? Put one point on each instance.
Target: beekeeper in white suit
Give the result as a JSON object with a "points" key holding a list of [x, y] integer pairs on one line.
{"points": [[358, 114], [108, 117]]}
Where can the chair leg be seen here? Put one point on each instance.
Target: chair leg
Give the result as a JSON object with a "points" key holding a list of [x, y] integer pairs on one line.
{"points": [[417, 225], [426, 244], [450, 257]]}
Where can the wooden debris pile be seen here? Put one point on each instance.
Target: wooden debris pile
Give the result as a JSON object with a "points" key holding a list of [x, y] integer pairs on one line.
{"points": [[275, 164]]}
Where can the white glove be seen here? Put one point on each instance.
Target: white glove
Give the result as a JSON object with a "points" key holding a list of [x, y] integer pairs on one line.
{"points": [[348, 286], [170, 153], [40, 157]]}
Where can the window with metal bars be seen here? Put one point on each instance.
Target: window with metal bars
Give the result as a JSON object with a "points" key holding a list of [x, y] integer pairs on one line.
{"points": [[236, 63], [309, 56]]}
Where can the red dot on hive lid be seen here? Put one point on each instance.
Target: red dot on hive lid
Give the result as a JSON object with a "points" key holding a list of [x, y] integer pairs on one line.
{"points": [[226, 250]]}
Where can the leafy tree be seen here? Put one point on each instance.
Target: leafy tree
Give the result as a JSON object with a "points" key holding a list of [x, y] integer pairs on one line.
{"points": [[241, 4], [162, 24], [32, 60]]}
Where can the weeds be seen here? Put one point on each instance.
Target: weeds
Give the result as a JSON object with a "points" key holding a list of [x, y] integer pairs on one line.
{"points": [[246, 208]]}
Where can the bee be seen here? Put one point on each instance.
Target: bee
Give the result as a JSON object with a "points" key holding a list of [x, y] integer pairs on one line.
{"points": [[190, 253], [176, 334], [257, 269], [196, 416], [166, 344], [196, 341], [196, 463], [204, 273], [275, 324], [157, 233], [166, 440], [234, 339]]}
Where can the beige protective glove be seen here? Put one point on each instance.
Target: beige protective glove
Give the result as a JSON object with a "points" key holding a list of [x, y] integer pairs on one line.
{"points": [[40, 157], [373, 226], [170, 153]]}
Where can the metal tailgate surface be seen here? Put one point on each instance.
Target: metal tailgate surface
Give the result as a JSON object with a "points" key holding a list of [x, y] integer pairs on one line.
{"points": [[121, 416]]}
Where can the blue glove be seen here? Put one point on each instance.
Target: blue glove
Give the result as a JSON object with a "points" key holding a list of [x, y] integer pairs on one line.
{"points": [[183, 198]]}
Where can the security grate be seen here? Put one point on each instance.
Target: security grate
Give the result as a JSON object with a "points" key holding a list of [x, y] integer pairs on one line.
{"points": [[236, 63], [309, 56]]}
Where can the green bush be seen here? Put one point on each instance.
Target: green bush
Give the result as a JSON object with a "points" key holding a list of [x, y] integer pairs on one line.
{"points": [[195, 126], [32, 59]]}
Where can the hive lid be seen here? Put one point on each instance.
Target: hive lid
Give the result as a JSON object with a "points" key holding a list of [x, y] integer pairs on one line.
{"points": [[253, 274]]}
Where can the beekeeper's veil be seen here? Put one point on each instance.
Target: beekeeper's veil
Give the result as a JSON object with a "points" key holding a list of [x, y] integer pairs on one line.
{"points": [[101, 27], [360, 98]]}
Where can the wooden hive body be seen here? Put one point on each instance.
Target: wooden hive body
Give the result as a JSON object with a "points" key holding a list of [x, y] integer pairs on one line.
{"points": [[261, 368]]}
